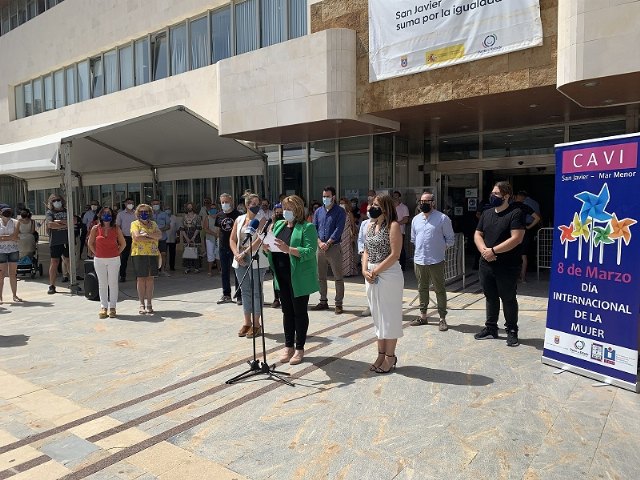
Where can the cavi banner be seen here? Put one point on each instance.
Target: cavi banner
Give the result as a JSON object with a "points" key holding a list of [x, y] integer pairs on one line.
{"points": [[409, 36], [594, 295]]}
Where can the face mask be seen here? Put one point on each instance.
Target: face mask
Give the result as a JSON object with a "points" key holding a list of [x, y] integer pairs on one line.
{"points": [[288, 215], [344, 207], [279, 216], [24, 215], [213, 211], [368, 214], [255, 209], [375, 212], [265, 207], [189, 209], [94, 207], [107, 217], [495, 201], [167, 211], [57, 204], [226, 207], [144, 215], [425, 207], [327, 201], [7, 213], [129, 206]]}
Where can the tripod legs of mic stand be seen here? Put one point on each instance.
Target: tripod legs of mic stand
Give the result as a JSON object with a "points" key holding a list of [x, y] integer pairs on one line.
{"points": [[256, 367]]}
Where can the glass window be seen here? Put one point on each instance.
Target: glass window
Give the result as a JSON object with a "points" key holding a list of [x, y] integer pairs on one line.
{"points": [[354, 173], [294, 169], [58, 88], [382, 161], [20, 107], [294, 150], [22, 12], [141, 48], [273, 22], [84, 84], [221, 34], [322, 168], [297, 18], [246, 23], [28, 100], [178, 37], [200, 190], [539, 141], [110, 71], [48, 93], [133, 191], [165, 193], [38, 104], [14, 14], [354, 143], [32, 9], [70, 74], [273, 171], [459, 148], [126, 67], [159, 51], [147, 193], [597, 130], [51, 3], [199, 43], [42, 6], [97, 77], [6, 22], [182, 194]]}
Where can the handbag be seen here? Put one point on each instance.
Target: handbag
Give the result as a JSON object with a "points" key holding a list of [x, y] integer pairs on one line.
{"points": [[190, 253]]}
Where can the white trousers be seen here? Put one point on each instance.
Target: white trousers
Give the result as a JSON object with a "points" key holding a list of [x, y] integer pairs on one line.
{"points": [[212, 250], [107, 270]]}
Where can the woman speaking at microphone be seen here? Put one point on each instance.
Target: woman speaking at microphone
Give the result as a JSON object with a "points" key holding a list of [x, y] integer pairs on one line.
{"points": [[295, 270], [244, 240]]}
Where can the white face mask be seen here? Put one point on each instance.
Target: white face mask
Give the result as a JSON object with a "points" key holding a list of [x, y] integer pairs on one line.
{"points": [[94, 207], [129, 206], [226, 207], [288, 215], [57, 204], [156, 208]]}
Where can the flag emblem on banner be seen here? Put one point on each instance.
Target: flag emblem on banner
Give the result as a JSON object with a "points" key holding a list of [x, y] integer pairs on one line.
{"points": [[556, 339], [610, 356], [404, 61]]}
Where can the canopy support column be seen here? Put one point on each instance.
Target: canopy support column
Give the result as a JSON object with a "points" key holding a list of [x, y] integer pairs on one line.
{"points": [[65, 147]]}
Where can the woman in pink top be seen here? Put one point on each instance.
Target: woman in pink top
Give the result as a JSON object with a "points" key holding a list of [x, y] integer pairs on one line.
{"points": [[106, 243]]}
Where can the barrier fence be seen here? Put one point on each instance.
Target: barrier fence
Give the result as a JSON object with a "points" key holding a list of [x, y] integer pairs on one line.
{"points": [[544, 245]]}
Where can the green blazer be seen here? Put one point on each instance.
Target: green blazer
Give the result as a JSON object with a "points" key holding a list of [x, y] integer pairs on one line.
{"points": [[304, 269]]}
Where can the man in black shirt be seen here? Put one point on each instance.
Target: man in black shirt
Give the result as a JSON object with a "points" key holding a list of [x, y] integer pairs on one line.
{"points": [[498, 237], [225, 221]]}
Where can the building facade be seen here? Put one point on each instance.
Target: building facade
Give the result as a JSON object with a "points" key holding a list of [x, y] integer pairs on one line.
{"points": [[291, 77]]}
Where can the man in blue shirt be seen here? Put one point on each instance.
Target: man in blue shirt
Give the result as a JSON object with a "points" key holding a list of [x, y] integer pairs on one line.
{"points": [[164, 224], [432, 234], [329, 221]]}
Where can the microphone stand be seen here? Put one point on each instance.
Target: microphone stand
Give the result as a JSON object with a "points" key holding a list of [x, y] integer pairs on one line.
{"points": [[256, 367]]}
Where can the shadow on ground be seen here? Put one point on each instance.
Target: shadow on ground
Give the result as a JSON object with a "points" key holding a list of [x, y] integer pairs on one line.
{"points": [[14, 340]]}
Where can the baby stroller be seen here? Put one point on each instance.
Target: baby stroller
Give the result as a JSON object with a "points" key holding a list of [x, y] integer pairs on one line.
{"points": [[29, 264]]}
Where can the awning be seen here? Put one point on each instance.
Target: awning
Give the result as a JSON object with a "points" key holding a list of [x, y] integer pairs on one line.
{"points": [[176, 143]]}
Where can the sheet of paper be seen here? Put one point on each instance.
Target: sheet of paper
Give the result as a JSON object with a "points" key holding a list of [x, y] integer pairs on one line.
{"points": [[270, 240]]}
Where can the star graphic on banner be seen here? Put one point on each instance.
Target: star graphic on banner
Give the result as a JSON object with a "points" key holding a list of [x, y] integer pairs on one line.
{"points": [[581, 229], [602, 235], [567, 234], [594, 205], [620, 228]]}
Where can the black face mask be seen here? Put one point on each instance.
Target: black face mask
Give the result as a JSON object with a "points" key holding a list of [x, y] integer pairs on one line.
{"points": [[375, 212], [279, 216], [24, 215], [495, 201], [7, 213], [255, 209], [425, 207]]}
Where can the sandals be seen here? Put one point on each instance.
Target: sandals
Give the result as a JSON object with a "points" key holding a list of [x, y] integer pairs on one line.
{"points": [[149, 308], [375, 367], [102, 314], [379, 370], [142, 310], [17, 299]]}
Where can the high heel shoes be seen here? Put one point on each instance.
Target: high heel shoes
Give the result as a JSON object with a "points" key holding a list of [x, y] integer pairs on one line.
{"points": [[380, 370], [373, 367]]}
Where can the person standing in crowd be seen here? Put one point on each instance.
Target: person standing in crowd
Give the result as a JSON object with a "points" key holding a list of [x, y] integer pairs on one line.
{"points": [[204, 211], [364, 206], [242, 262], [211, 238], [164, 225], [172, 233], [27, 237], [431, 233], [403, 219], [88, 221], [498, 237], [225, 221], [362, 238], [190, 237], [531, 210], [264, 209], [144, 253], [329, 221], [56, 221], [105, 244], [277, 215], [384, 280], [123, 221], [315, 205], [9, 252], [295, 270], [347, 241]]}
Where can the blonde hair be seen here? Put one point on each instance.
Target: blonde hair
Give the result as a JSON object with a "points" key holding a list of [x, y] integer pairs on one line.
{"points": [[143, 206], [297, 207], [50, 201], [248, 196]]}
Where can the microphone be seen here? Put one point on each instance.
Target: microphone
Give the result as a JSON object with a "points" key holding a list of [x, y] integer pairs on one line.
{"points": [[266, 227], [251, 229]]}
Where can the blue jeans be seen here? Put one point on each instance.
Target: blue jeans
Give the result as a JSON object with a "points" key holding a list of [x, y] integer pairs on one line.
{"points": [[258, 276]]}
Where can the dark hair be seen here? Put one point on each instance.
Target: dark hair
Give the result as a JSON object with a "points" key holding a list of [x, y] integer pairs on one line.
{"points": [[330, 189], [112, 223], [128, 199], [396, 191], [505, 188], [522, 193], [388, 208], [27, 211]]}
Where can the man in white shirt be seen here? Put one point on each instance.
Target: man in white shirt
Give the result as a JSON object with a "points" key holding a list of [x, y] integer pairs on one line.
{"points": [[403, 219], [123, 220]]}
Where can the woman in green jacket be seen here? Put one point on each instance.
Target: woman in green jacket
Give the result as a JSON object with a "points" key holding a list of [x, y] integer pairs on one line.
{"points": [[295, 270]]}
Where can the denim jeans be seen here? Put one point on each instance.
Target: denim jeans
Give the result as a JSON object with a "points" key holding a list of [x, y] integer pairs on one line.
{"points": [[258, 276]]}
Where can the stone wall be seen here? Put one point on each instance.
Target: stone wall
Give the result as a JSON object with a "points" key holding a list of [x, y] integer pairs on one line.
{"points": [[534, 67]]}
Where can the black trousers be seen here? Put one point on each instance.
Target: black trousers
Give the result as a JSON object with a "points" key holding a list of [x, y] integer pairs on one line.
{"points": [[500, 282], [295, 315], [124, 257], [403, 254], [171, 253]]}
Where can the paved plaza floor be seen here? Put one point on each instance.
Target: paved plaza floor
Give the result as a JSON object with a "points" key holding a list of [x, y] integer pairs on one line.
{"points": [[144, 397]]}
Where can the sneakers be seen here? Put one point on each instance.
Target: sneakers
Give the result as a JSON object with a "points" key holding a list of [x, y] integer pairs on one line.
{"points": [[419, 321], [512, 338], [320, 306], [112, 313], [297, 358], [52, 289], [239, 301], [225, 299], [442, 326], [65, 279], [286, 354], [162, 273], [339, 310], [485, 333]]}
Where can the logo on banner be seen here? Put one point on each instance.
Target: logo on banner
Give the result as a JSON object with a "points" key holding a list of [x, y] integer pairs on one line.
{"points": [[610, 356], [489, 41], [579, 344], [556, 339], [404, 61], [596, 352]]}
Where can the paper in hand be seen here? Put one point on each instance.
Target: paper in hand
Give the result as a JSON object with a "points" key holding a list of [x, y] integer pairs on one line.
{"points": [[270, 240]]}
